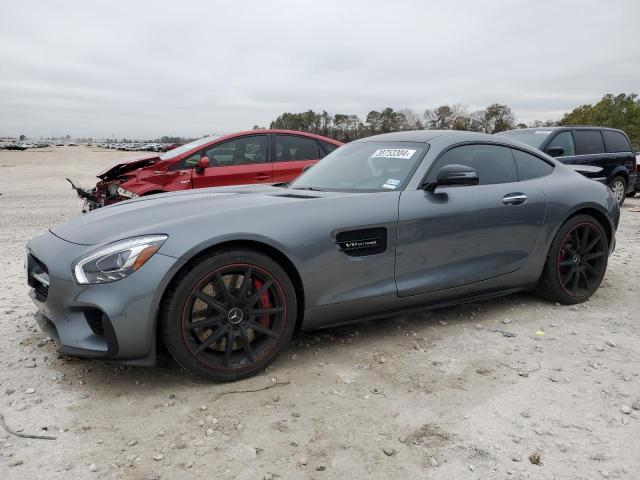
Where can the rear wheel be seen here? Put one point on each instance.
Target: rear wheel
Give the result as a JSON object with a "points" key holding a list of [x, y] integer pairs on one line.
{"points": [[619, 188], [230, 315], [576, 263]]}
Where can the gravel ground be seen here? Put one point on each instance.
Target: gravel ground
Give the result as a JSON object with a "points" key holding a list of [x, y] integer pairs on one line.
{"points": [[444, 394]]}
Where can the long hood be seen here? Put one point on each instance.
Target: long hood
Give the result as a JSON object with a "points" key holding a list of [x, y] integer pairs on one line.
{"points": [[128, 166], [167, 212]]}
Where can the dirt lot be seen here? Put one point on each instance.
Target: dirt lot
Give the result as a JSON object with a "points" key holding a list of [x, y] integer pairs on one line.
{"points": [[445, 394]]}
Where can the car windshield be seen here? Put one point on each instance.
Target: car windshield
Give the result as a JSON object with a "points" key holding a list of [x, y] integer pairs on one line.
{"points": [[364, 166], [185, 148], [533, 138]]}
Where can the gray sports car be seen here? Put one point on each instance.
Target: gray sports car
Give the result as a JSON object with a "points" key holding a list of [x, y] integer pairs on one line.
{"points": [[223, 277]]}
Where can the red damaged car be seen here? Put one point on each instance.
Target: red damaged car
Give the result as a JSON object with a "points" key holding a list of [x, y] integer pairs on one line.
{"points": [[256, 156]]}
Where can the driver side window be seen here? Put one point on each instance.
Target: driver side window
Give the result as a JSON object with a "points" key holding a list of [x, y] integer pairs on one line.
{"points": [[565, 141], [493, 163]]}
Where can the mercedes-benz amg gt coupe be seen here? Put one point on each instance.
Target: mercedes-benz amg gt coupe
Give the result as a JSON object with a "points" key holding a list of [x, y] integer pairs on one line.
{"points": [[223, 277]]}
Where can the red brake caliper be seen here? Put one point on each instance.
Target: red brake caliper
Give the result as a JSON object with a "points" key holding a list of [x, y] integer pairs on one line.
{"points": [[264, 302]]}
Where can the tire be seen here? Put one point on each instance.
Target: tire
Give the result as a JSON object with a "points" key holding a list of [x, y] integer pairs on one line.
{"points": [[619, 188], [570, 252], [220, 326]]}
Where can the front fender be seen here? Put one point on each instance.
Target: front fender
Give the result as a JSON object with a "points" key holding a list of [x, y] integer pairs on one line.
{"points": [[241, 237], [141, 188]]}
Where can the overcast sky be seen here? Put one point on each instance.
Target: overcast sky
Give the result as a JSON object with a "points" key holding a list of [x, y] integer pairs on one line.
{"points": [[146, 69]]}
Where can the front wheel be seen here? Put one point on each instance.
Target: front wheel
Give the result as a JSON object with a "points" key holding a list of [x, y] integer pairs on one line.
{"points": [[619, 188], [229, 315], [576, 262]]}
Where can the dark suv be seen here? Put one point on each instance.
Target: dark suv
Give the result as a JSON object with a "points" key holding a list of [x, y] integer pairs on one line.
{"points": [[606, 148]]}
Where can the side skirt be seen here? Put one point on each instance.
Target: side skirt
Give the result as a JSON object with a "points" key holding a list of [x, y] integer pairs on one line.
{"points": [[415, 309]]}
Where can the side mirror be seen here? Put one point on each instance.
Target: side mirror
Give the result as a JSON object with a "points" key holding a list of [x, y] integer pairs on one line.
{"points": [[555, 151], [455, 175], [202, 164]]}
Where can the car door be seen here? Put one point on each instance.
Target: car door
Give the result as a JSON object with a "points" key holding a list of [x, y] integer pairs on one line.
{"points": [[588, 150], [178, 175], [460, 235], [291, 153], [238, 161]]}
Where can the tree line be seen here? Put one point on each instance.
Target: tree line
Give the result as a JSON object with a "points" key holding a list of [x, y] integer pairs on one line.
{"points": [[620, 111], [347, 127], [616, 111]]}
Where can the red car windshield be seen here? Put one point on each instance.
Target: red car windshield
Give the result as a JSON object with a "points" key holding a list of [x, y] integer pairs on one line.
{"points": [[176, 152]]}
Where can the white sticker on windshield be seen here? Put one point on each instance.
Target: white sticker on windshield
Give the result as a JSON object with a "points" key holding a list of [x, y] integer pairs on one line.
{"points": [[404, 153], [392, 181], [542, 132], [387, 185]]}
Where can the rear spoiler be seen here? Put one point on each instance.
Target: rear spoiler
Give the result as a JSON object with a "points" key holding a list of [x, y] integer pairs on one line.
{"points": [[591, 172], [586, 170]]}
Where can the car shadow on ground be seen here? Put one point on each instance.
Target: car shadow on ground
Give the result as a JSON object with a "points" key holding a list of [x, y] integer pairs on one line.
{"points": [[91, 375]]}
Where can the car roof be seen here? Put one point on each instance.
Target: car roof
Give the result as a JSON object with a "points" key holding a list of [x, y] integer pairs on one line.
{"points": [[280, 131], [426, 136], [561, 127]]}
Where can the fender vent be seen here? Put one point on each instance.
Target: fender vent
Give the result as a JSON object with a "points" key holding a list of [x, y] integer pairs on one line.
{"points": [[359, 243]]}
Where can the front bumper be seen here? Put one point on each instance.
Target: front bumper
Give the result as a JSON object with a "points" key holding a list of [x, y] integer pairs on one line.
{"points": [[115, 321]]}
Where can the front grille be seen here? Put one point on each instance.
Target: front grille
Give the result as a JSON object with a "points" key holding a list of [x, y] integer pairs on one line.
{"points": [[38, 278], [94, 319], [41, 292]]}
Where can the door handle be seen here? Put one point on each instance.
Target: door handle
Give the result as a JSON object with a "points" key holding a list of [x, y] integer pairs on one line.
{"points": [[261, 177], [514, 199]]}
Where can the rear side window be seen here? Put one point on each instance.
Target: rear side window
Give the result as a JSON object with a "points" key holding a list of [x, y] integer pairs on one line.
{"points": [[565, 141], [588, 142], [327, 147], [529, 166], [291, 147], [615, 142], [493, 163]]}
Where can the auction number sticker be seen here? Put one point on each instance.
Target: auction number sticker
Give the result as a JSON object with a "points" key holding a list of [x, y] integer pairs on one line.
{"points": [[404, 153]]}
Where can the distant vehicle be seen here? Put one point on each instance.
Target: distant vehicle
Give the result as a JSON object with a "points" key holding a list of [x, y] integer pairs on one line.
{"points": [[606, 148], [264, 156], [15, 146]]}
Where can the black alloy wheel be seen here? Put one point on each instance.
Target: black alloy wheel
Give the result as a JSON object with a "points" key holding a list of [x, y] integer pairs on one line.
{"points": [[576, 263], [231, 315], [582, 260]]}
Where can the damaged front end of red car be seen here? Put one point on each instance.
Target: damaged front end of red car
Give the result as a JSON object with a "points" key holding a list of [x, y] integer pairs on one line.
{"points": [[108, 190]]}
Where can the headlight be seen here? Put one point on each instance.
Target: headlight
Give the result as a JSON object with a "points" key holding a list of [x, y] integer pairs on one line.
{"points": [[116, 260], [127, 193]]}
